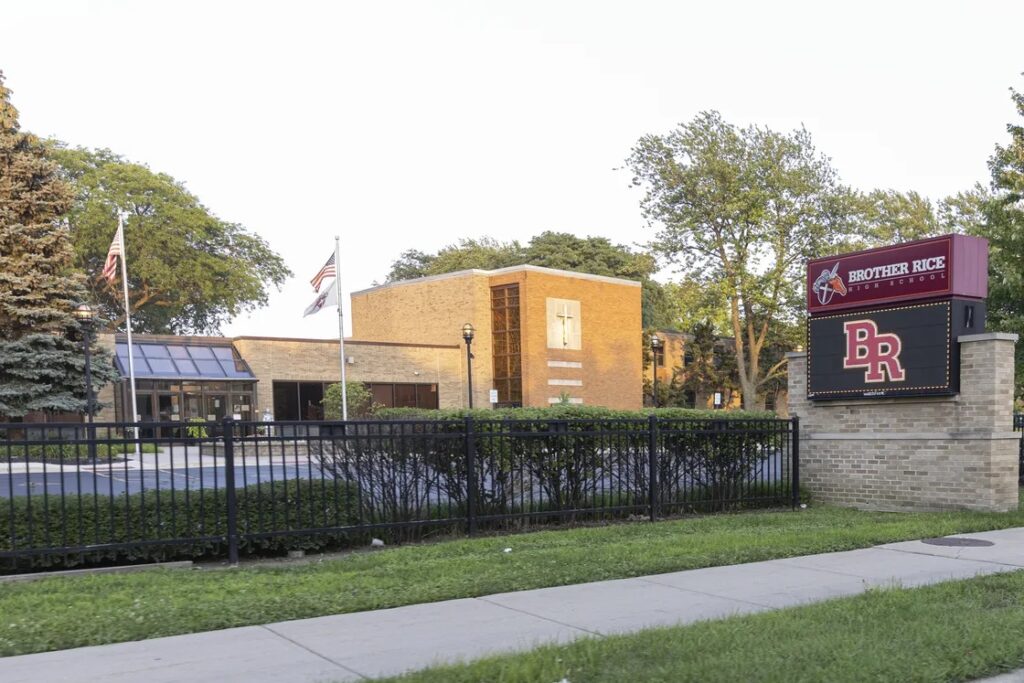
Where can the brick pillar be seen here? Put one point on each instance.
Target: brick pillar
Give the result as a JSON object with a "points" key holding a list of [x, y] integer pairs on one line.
{"points": [[924, 453]]}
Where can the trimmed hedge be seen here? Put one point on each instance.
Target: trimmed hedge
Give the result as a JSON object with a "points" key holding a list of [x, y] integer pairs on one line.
{"points": [[72, 452], [568, 412], [157, 526], [567, 455]]}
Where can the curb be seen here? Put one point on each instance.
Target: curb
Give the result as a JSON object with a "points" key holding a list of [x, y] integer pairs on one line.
{"points": [[125, 569]]}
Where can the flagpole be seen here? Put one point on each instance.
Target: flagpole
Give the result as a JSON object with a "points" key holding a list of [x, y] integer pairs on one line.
{"points": [[341, 326], [128, 327]]}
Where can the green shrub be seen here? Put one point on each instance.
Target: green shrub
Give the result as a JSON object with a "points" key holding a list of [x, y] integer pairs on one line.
{"points": [[359, 400], [196, 428], [72, 452], [568, 454], [569, 412], [172, 517]]}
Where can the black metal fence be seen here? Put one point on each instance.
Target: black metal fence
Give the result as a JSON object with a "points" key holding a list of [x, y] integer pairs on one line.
{"points": [[75, 494]]}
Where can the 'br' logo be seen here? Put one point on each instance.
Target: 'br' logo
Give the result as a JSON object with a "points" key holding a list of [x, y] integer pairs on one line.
{"points": [[879, 353]]}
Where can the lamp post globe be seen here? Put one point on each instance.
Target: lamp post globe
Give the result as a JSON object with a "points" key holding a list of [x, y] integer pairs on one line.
{"points": [[655, 347], [467, 334], [84, 313]]}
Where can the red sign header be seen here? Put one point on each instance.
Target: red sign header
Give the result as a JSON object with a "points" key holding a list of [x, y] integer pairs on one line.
{"points": [[954, 265]]}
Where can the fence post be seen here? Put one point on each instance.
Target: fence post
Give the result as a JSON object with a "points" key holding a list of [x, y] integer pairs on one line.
{"points": [[652, 464], [470, 477], [796, 461], [229, 483]]}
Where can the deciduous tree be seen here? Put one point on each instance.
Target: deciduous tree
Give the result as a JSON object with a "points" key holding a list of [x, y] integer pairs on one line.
{"points": [[743, 208], [1003, 226], [189, 271]]}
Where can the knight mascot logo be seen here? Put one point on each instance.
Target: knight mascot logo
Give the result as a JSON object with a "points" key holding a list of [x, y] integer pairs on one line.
{"points": [[827, 284]]}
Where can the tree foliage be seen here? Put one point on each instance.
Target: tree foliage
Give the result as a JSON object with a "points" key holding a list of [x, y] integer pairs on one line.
{"points": [[891, 217], [359, 399], [1003, 225], [742, 210], [564, 251], [189, 271], [41, 360], [710, 362]]}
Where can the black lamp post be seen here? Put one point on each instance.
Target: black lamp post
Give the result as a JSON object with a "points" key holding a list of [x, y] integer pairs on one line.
{"points": [[655, 347], [86, 317], [467, 334]]}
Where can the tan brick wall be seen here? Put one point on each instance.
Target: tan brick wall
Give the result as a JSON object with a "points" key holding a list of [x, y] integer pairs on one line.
{"points": [[433, 310], [926, 453], [611, 353], [105, 396], [319, 361]]}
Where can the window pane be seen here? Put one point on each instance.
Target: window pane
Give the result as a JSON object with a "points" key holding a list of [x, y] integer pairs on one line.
{"points": [[141, 368], [235, 369], [186, 367], [178, 351], [500, 344], [122, 350], [162, 366], [383, 394], [405, 395], [223, 352], [209, 368], [202, 352], [154, 350], [286, 400], [426, 396]]}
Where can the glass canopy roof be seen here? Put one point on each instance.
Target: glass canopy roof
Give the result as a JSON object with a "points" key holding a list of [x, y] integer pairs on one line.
{"points": [[179, 361]]}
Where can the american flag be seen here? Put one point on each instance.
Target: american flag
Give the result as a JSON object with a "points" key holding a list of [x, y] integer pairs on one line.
{"points": [[327, 271], [110, 266]]}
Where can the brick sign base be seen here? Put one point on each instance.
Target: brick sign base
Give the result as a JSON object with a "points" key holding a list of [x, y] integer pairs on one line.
{"points": [[920, 453]]}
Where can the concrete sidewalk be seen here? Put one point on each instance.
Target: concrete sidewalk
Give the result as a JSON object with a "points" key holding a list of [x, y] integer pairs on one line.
{"points": [[351, 647]]}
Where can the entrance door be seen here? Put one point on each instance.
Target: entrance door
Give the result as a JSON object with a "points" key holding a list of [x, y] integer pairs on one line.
{"points": [[168, 409], [311, 398], [216, 406], [144, 409], [193, 403]]}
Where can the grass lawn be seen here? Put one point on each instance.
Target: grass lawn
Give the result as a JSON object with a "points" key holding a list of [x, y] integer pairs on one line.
{"points": [[57, 613], [953, 631]]}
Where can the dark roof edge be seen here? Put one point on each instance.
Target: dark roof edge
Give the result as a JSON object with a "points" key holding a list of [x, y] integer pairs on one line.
{"points": [[195, 340]]}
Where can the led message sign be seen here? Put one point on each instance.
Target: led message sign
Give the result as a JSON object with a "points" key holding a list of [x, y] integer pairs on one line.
{"points": [[905, 350]]}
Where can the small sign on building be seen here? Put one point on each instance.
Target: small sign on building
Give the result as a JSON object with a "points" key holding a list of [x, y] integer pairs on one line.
{"points": [[493, 396]]}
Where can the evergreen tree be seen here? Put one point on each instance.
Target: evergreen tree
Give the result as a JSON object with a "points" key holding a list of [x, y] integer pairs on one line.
{"points": [[42, 367]]}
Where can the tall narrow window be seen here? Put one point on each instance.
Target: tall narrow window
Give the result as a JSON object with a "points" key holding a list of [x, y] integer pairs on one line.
{"points": [[508, 361]]}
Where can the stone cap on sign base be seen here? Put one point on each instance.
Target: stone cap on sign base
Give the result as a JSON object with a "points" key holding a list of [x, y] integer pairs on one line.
{"points": [[987, 336]]}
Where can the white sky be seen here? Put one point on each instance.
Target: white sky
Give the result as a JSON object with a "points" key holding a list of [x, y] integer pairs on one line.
{"points": [[411, 124]]}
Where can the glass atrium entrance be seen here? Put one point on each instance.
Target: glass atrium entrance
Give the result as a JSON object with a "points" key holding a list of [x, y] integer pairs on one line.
{"points": [[182, 382]]}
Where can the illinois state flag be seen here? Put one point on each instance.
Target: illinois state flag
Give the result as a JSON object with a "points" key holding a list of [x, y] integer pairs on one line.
{"points": [[328, 297]]}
